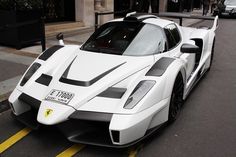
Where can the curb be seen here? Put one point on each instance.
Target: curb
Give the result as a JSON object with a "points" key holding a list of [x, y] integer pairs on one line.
{"points": [[4, 97]]}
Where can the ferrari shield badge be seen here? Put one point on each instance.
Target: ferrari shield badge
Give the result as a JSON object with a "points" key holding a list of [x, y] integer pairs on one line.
{"points": [[48, 112]]}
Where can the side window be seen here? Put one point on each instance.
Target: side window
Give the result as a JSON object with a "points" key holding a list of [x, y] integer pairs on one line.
{"points": [[172, 35]]}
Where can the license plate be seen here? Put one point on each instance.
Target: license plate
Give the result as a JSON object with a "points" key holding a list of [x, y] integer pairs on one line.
{"points": [[60, 96]]}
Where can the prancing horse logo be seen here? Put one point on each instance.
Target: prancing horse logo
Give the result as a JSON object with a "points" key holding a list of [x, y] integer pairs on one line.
{"points": [[48, 112]]}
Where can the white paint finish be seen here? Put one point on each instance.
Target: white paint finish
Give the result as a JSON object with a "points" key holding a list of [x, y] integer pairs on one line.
{"points": [[149, 112], [134, 126], [88, 65], [59, 113], [101, 104]]}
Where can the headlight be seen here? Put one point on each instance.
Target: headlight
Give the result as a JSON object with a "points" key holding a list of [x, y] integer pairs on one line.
{"points": [[139, 92], [29, 73]]}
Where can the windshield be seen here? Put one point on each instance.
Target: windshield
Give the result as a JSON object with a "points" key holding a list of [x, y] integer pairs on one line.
{"points": [[126, 38], [230, 2]]}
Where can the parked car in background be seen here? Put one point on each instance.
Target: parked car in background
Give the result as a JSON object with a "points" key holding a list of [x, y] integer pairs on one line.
{"points": [[225, 7]]}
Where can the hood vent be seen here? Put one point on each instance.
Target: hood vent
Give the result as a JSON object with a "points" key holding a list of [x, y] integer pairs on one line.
{"points": [[64, 78]]}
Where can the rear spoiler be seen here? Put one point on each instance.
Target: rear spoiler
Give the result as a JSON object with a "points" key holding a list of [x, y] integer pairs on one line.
{"points": [[180, 16]]}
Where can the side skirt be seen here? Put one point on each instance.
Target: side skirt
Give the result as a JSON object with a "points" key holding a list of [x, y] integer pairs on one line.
{"points": [[199, 76]]}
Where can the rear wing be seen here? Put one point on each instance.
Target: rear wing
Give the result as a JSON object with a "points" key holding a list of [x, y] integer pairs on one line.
{"points": [[177, 15], [181, 16]]}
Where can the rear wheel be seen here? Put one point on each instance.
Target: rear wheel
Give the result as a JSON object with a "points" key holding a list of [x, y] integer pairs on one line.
{"points": [[176, 99]]}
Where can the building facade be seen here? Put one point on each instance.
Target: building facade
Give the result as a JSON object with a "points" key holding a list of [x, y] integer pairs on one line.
{"points": [[84, 10]]}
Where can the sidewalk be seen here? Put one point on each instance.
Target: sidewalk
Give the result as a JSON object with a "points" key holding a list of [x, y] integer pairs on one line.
{"points": [[24, 57]]}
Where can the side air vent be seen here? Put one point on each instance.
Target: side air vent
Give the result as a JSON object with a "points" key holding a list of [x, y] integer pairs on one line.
{"points": [[115, 136], [49, 52], [159, 68], [44, 79]]}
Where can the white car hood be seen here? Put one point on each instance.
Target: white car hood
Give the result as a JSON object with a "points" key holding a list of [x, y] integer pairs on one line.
{"points": [[86, 75], [90, 73], [87, 66]]}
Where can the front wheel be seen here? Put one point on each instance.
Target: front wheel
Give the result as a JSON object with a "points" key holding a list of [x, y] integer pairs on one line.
{"points": [[176, 99]]}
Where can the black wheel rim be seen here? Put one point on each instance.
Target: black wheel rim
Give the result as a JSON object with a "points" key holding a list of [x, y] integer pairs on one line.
{"points": [[176, 100]]}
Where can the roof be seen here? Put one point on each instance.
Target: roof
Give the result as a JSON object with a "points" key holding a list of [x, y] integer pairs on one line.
{"points": [[146, 18], [159, 22]]}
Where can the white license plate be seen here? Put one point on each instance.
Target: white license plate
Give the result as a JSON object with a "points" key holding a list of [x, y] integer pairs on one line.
{"points": [[60, 96]]}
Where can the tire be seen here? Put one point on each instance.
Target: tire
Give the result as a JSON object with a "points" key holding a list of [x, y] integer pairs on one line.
{"points": [[212, 55], [176, 100]]}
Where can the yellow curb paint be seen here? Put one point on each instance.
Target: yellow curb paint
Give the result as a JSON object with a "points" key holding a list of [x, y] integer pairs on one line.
{"points": [[13, 139], [133, 153], [71, 151]]}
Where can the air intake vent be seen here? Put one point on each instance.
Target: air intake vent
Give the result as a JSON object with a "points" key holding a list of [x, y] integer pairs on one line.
{"points": [[115, 136], [34, 103], [44, 79]]}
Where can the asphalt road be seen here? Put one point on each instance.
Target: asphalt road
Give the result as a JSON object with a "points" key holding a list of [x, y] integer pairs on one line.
{"points": [[205, 128]]}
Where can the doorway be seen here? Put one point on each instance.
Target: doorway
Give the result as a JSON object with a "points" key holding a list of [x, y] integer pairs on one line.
{"points": [[59, 10]]}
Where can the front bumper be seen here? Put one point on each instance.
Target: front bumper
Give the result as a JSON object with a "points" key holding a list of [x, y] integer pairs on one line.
{"points": [[102, 129]]}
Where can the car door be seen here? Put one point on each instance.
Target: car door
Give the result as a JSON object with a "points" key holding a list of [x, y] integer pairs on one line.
{"points": [[174, 41]]}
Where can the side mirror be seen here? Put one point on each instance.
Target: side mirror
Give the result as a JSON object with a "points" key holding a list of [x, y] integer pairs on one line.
{"points": [[189, 48]]}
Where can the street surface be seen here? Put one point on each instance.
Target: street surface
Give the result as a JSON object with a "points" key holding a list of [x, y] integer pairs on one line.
{"points": [[205, 128]]}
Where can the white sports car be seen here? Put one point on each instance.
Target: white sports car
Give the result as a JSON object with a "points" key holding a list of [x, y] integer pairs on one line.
{"points": [[130, 77]]}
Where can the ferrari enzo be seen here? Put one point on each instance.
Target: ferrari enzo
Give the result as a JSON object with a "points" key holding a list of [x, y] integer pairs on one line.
{"points": [[130, 77]]}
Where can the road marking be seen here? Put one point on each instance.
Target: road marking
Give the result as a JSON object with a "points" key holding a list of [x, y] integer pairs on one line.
{"points": [[8, 86], [13, 139], [133, 152], [71, 151]]}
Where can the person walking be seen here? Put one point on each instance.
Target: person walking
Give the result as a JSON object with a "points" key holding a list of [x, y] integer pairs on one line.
{"points": [[154, 5], [206, 4]]}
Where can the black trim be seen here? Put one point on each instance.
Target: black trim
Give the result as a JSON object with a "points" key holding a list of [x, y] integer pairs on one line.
{"points": [[88, 83], [113, 92], [159, 68], [30, 73], [176, 43], [44, 79], [97, 133], [83, 131], [116, 136], [49, 52], [91, 116], [34, 103], [139, 17], [65, 74], [29, 119]]}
